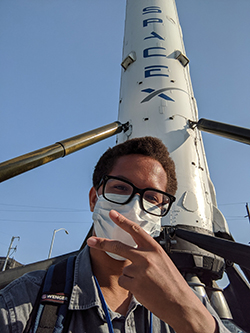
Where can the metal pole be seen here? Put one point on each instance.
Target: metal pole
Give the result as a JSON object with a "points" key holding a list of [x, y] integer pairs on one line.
{"points": [[53, 238], [8, 253], [248, 213], [232, 132], [18, 165]]}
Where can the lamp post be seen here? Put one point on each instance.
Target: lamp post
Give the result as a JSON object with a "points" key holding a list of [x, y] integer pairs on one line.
{"points": [[53, 238]]}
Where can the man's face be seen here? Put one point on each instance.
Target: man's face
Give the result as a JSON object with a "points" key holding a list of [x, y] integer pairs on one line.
{"points": [[142, 171]]}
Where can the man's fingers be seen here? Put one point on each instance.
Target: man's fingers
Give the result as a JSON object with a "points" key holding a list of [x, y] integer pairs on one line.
{"points": [[112, 246], [139, 235], [142, 239]]}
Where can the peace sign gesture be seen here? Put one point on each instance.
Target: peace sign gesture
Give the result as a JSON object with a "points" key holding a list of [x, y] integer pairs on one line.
{"points": [[155, 281]]}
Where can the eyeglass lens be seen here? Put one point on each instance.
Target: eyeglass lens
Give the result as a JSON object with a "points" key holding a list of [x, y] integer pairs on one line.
{"points": [[153, 202]]}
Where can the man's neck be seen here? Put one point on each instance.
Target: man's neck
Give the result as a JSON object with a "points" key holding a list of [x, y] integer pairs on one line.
{"points": [[107, 271]]}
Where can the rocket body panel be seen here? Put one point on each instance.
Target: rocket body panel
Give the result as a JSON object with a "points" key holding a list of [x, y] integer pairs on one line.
{"points": [[156, 97]]}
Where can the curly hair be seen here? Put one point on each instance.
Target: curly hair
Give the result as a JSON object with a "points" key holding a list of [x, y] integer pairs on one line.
{"points": [[147, 146]]}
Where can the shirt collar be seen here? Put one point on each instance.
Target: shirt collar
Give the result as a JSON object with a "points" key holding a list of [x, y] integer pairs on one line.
{"points": [[84, 293]]}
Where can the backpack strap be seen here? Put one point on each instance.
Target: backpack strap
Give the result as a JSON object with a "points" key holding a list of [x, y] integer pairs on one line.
{"points": [[52, 313]]}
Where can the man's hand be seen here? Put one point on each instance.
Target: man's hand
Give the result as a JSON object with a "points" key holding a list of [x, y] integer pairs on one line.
{"points": [[155, 281]]}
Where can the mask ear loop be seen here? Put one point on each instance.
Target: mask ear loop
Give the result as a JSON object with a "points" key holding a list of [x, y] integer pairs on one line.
{"points": [[93, 204]]}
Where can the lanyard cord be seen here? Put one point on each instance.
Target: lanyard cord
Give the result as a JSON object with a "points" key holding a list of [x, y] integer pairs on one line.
{"points": [[105, 309], [151, 323]]}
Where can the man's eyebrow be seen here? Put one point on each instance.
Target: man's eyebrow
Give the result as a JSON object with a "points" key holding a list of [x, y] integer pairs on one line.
{"points": [[125, 178], [122, 177]]}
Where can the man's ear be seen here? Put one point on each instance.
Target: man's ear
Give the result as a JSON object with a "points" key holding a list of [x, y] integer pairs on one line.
{"points": [[92, 198]]}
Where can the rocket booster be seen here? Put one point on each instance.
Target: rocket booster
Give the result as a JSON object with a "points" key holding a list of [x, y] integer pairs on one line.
{"points": [[156, 98]]}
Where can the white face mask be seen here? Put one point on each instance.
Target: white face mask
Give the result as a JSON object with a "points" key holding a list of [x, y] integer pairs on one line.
{"points": [[104, 227]]}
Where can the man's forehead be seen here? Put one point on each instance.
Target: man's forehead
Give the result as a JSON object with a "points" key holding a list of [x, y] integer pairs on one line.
{"points": [[140, 166]]}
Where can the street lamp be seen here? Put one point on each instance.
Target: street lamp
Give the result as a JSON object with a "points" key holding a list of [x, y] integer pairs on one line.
{"points": [[53, 237]]}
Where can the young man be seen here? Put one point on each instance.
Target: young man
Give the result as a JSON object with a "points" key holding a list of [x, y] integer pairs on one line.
{"points": [[123, 275]]}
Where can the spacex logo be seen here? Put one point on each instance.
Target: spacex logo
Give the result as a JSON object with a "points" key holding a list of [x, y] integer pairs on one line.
{"points": [[159, 93], [155, 52], [152, 93]]}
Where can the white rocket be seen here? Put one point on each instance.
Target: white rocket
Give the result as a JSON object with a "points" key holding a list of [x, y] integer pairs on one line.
{"points": [[157, 99]]}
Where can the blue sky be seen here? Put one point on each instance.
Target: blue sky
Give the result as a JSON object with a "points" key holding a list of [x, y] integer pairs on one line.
{"points": [[60, 76]]}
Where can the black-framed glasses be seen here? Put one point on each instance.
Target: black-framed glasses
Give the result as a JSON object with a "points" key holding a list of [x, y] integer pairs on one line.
{"points": [[120, 191]]}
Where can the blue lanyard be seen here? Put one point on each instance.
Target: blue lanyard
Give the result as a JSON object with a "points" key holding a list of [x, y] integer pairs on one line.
{"points": [[106, 311]]}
